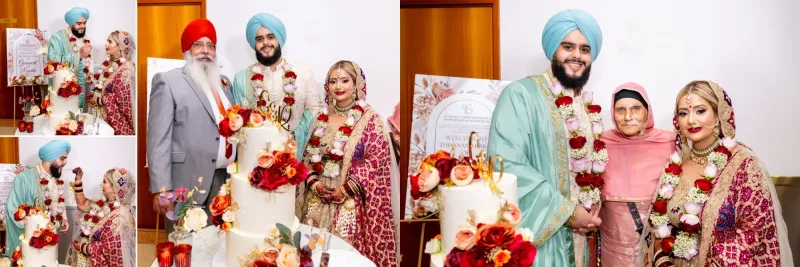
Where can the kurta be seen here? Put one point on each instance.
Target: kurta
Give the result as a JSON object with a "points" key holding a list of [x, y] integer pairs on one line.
{"points": [[26, 190], [307, 96], [60, 49], [530, 135]]}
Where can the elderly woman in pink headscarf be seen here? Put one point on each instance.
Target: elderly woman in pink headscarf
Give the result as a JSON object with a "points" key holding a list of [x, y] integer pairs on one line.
{"points": [[638, 154]]}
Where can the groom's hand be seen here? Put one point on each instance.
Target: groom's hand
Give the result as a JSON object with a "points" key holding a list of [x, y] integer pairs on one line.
{"points": [[65, 224], [584, 221]]}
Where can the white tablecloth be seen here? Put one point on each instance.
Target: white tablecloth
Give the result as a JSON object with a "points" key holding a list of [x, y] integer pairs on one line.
{"points": [[209, 241], [39, 122]]}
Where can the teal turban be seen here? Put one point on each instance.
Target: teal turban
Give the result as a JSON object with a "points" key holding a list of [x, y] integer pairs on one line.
{"points": [[268, 21], [74, 14], [567, 21], [53, 150]]}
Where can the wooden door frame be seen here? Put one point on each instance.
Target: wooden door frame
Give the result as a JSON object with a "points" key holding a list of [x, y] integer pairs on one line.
{"points": [[141, 131]]}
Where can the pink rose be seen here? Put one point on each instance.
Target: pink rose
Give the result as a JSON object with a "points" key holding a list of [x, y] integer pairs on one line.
{"points": [[588, 97], [289, 88], [462, 175], [428, 179], [666, 191], [692, 208], [598, 166], [556, 89], [236, 122], [465, 239], [512, 214], [256, 120], [580, 165], [597, 128], [573, 124]]}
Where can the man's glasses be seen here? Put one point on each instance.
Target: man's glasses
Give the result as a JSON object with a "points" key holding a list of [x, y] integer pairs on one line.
{"points": [[199, 45]]}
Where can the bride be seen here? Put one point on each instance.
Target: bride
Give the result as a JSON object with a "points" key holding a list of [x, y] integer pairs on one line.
{"points": [[716, 205]]}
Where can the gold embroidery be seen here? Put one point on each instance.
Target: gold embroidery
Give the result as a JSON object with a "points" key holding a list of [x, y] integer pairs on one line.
{"points": [[555, 223], [560, 140]]}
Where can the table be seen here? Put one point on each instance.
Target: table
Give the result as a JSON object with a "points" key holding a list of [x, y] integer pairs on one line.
{"points": [[208, 242], [40, 122]]}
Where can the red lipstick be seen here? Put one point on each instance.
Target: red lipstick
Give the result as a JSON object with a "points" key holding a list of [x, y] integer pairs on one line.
{"points": [[695, 129]]}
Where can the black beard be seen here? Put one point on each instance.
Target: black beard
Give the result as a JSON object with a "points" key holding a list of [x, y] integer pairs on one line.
{"points": [[268, 61], [559, 70], [54, 170], [78, 34]]}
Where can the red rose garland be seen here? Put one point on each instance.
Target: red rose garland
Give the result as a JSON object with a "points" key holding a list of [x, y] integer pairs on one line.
{"points": [[330, 167], [289, 87], [60, 206]]}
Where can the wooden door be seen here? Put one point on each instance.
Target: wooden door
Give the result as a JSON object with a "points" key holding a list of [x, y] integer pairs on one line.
{"points": [[9, 150], [13, 14], [457, 38], [160, 24]]}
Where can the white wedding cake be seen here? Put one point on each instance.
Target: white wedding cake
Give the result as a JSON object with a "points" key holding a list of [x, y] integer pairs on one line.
{"points": [[46, 256], [457, 201], [257, 211], [60, 106]]}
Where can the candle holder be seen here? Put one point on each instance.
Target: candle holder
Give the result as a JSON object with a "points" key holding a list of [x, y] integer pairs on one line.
{"points": [[164, 254], [183, 255], [29, 127]]}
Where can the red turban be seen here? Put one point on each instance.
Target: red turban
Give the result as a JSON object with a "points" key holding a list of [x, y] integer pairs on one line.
{"points": [[197, 29]]}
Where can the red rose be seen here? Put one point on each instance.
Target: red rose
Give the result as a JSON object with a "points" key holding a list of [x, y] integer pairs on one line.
{"points": [[290, 75], [217, 220], [318, 167], [522, 252], [245, 113], [263, 263], [323, 118], [257, 76], [598, 181], [585, 179], [563, 101], [594, 108], [445, 166], [97, 76], [703, 184], [288, 100], [60, 182], [87, 217], [73, 39], [577, 142], [55, 239], [415, 193], [86, 41], [660, 206], [272, 180], [723, 150], [59, 217], [690, 228], [334, 157], [95, 219], [599, 145], [48, 202], [105, 63], [61, 200], [314, 141], [346, 130], [359, 108], [85, 70], [261, 103], [667, 243], [225, 128], [100, 203], [490, 236], [674, 169], [44, 182], [106, 74]]}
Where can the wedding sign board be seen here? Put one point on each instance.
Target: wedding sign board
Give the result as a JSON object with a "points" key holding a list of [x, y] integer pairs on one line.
{"points": [[26, 56], [6, 183], [446, 111]]}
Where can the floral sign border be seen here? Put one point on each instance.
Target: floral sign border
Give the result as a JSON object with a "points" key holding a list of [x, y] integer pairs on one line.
{"points": [[12, 35], [429, 91]]}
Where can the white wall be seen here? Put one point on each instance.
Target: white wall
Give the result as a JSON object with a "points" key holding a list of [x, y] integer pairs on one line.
{"points": [[94, 155], [747, 47], [320, 33]]}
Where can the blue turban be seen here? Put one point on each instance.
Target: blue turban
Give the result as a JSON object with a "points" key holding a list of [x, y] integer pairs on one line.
{"points": [[268, 21], [74, 14], [54, 149], [567, 21]]}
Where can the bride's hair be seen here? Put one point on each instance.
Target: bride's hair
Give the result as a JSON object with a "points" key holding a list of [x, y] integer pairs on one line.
{"points": [[703, 90], [344, 65]]}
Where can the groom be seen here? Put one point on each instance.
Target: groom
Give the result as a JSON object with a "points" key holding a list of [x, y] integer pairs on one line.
{"points": [[29, 188], [69, 46], [530, 135]]}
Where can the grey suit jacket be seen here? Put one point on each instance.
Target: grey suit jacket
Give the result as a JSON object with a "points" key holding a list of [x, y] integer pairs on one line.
{"points": [[182, 134]]}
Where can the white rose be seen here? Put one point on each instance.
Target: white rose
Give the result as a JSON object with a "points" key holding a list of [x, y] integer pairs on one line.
{"points": [[597, 128], [711, 171], [73, 126], [35, 110], [729, 143], [692, 208], [337, 151], [5, 262], [289, 88], [232, 168], [288, 257], [273, 233], [429, 205], [433, 246], [223, 190], [228, 216], [338, 144], [666, 190], [117, 204], [675, 158], [122, 60], [690, 219], [195, 219], [587, 204], [527, 234], [350, 121], [316, 158], [319, 132], [662, 231], [690, 254], [362, 103]]}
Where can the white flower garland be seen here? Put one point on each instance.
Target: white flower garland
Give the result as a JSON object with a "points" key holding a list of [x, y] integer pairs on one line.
{"points": [[330, 167], [289, 86], [59, 206]]}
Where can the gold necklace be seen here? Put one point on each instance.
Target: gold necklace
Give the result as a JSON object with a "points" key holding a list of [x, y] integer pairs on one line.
{"points": [[343, 111], [699, 156]]}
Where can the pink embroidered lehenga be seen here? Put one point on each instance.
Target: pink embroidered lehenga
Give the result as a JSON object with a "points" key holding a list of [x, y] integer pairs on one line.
{"points": [[367, 219], [115, 104]]}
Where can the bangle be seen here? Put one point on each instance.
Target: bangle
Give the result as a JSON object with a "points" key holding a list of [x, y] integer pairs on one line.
{"points": [[570, 220]]}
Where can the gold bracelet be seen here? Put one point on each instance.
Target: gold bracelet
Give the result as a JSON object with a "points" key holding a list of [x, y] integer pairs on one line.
{"points": [[570, 220]]}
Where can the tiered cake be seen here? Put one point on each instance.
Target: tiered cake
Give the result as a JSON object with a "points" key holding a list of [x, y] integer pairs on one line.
{"points": [[60, 106], [46, 256], [257, 211], [458, 201]]}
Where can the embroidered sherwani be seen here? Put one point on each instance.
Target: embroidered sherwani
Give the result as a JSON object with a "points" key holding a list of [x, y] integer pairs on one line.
{"points": [[60, 49], [306, 96], [27, 189], [531, 136]]}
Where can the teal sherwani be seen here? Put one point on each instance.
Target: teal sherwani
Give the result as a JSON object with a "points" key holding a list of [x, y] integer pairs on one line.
{"points": [[25, 191], [528, 132], [59, 49]]}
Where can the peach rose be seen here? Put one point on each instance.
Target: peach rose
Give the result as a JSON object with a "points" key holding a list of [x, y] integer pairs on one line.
{"points": [[219, 204], [288, 257], [465, 239], [256, 120], [236, 121], [428, 179], [512, 214], [490, 236], [462, 175], [265, 160], [271, 255]]}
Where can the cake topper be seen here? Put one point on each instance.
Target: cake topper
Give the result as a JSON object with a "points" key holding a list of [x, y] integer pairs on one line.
{"points": [[485, 165]]}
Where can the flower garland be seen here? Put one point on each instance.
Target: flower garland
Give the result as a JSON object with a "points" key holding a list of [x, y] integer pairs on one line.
{"points": [[59, 207], [87, 62], [98, 210], [684, 245], [330, 167], [289, 80], [669, 179], [98, 79], [588, 163]]}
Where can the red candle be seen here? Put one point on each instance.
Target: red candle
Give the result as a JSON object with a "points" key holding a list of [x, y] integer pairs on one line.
{"points": [[22, 126], [30, 127], [183, 255], [164, 254]]}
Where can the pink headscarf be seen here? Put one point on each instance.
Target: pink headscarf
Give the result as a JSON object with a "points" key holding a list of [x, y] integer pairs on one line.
{"points": [[635, 162]]}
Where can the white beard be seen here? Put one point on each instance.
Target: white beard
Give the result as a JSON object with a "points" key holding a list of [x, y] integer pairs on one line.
{"points": [[203, 74]]}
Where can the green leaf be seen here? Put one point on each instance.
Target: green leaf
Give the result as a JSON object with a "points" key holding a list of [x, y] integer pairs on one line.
{"points": [[71, 115], [285, 234], [297, 240]]}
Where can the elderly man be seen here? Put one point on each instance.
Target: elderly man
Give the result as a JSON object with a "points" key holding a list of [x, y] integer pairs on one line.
{"points": [[69, 46], [276, 80], [529, 130], [41, 186], [186, 106]]}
